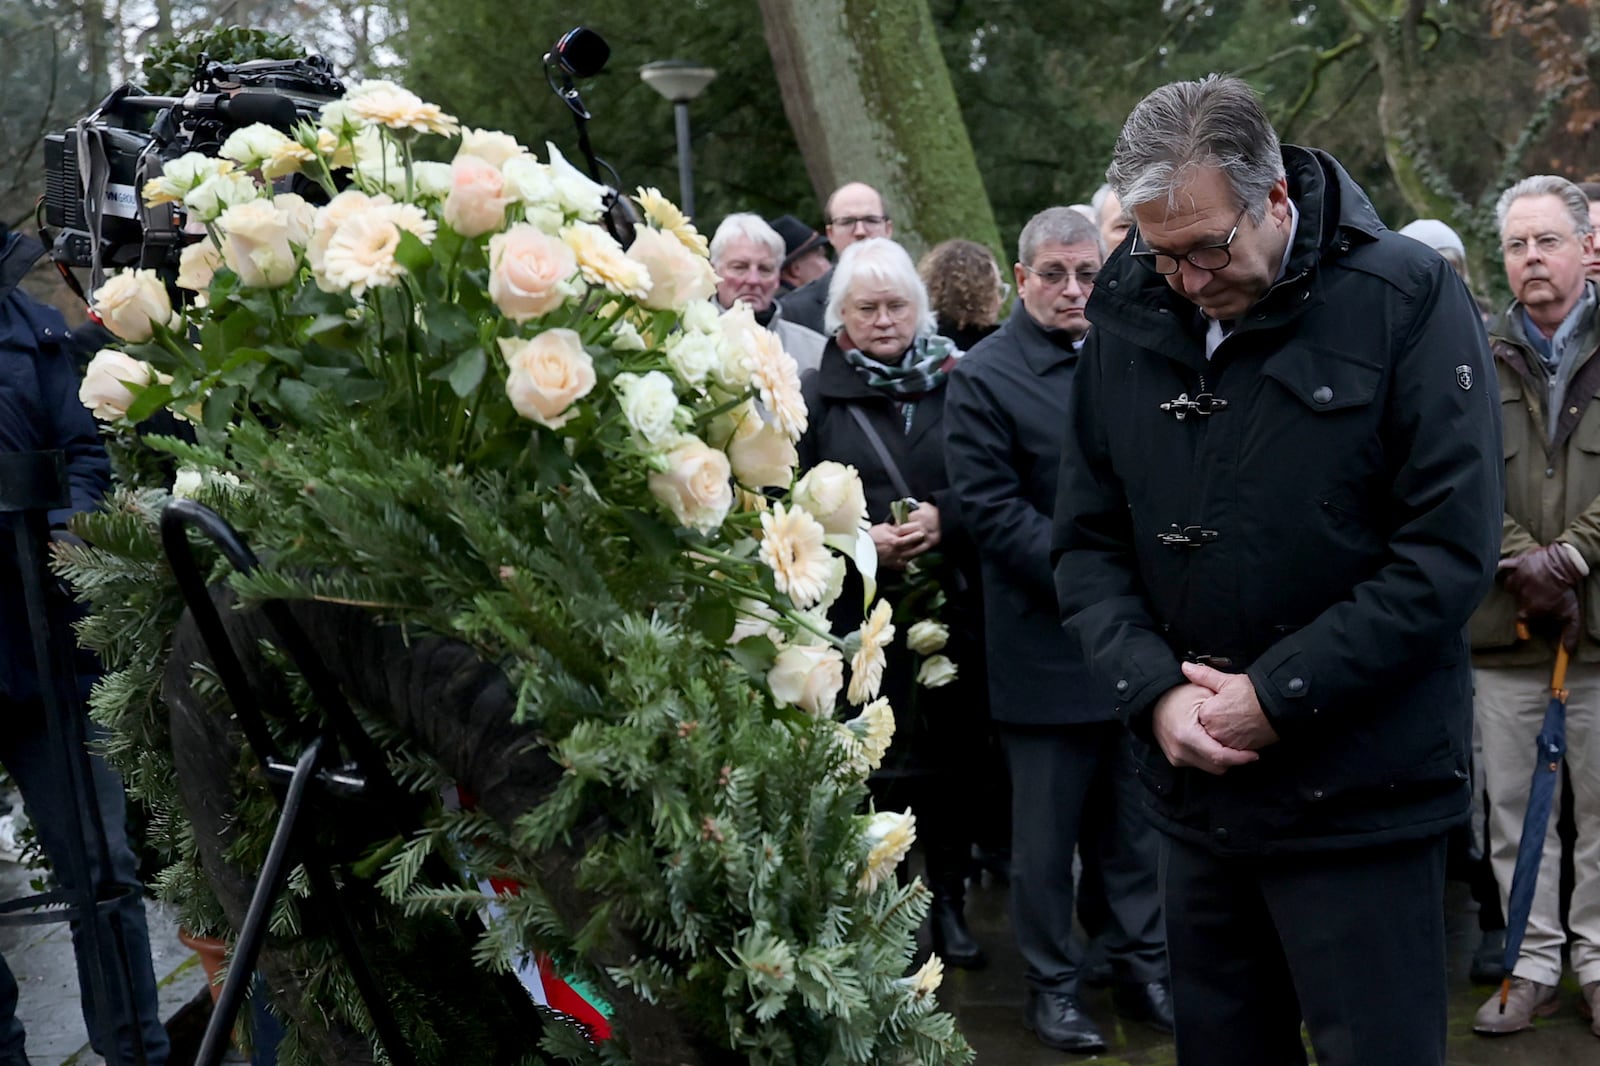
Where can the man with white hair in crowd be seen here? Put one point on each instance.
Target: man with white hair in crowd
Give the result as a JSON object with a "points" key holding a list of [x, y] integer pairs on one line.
{"points": [[747, 253], [1113, 221]]}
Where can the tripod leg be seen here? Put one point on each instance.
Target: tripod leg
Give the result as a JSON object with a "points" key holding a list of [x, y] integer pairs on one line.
{"points": [[241, 968]]}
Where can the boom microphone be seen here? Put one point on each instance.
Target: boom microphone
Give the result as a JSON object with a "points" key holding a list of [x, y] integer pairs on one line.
{"points": [[245, 108]]}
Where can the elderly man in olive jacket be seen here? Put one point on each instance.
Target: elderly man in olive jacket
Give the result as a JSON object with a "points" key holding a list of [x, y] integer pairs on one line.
{"points": [[1280, 503], [1072, 785], [1547, 355]]}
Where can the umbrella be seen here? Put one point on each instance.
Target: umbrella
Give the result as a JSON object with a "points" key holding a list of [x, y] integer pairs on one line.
{"points": [[1551, 748]]}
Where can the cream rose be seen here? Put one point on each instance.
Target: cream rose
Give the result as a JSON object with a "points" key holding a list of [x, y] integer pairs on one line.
{"points": [[104, 390], [255, 244], [936, 672], [696, 485], [807, 677], [263, 147], [761, 455], [649, 405], [832, 494], [530, 272], [678, 277], [197, 265], [548, 374], [301, 216], [927, 636], [888, 838], [491, 146], [477, 201], [131, 304]]}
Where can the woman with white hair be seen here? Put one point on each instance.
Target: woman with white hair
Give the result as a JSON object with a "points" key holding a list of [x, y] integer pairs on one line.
{"points": [[876, 402]]}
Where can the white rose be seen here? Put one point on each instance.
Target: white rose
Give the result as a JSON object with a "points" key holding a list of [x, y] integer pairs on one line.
{"points": [[186, 485], [836, 575], [491, 146], [529, 180], [131, 304], [340, 119], [936, 672], [548, 374], [694, 356], [255, 244], [216, 194], [577, 194], [927, 636], [808, 677], [678, 277], [431, 179], [104, 390], [833, 495], [701, 317], [695, 487], [254, 145], [180, 175], [649, 405], [625, 337]]}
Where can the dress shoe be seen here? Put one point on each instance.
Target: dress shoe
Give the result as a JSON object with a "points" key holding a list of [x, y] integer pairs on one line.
{"points": [[1589, 1006], [1150, 1002], [1528, 1000], [952, 940], [1057, 1019], [1488, 962]]}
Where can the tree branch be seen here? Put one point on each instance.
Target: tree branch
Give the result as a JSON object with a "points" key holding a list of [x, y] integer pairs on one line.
{"points": [[1325, 59]]}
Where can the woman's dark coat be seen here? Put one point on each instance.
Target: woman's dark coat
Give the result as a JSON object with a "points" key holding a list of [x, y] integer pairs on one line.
{"points": [[833, 433]]}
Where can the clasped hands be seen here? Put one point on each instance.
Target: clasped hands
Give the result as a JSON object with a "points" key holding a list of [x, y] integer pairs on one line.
{"points": [[1544, 582], [898, 544], [1213, 723]]}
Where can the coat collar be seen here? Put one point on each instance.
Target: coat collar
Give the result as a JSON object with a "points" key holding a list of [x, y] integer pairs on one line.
{"points": [[18, 253], [1042, 349]]}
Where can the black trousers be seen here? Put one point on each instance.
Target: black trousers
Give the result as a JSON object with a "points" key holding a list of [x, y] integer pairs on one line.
{"points": [[1072, 789], [1352, 942]]}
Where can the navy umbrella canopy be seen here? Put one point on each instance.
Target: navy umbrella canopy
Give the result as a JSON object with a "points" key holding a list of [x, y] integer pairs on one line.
{"points": [[1551, 748]]}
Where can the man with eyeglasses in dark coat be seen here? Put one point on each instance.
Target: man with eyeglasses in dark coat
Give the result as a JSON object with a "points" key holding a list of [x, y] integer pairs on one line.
{"points": [[1280, 503]]}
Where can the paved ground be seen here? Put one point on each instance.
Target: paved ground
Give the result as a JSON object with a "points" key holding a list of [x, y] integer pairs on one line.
{"points": [[988, 1003]]}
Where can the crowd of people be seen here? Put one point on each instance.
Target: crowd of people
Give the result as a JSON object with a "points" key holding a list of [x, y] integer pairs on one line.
{"points": [[1256, 618], [1255, 536]]}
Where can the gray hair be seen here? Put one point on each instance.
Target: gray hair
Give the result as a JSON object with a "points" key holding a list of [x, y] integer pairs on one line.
{"points": [[1187, 125], [749, 226], [1098, 200], [1057, 225], [1570, 195], [881, 260]]}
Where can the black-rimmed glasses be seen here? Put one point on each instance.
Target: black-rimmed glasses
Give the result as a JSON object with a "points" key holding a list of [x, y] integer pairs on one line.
{"points": [[1210, 257], [1057, 278]]}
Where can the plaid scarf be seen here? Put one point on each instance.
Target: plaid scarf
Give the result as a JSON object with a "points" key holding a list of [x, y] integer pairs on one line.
{"points": [[921, 369]]}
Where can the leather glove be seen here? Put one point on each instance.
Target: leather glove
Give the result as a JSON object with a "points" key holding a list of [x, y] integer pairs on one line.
{"points": [[1544, 582]]}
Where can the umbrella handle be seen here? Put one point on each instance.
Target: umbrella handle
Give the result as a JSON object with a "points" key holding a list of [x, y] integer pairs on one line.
{"points": [[1505, 991], [1558, 677]]}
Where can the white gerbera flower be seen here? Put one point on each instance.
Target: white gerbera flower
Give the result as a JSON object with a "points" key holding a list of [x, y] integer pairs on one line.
{"points": [[792, 545], [866, 665]]}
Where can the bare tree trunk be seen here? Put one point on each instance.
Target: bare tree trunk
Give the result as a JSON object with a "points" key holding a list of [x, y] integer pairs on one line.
{"points": [[869, 98]]}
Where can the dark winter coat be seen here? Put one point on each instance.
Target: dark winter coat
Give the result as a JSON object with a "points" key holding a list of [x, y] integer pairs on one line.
{"points": [[934, 727], [1008, 406], [1328, 532], [39, 411], [807, 304]]}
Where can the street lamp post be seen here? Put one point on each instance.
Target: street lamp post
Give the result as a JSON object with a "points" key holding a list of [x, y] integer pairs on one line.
{"points": [[680, 82]]}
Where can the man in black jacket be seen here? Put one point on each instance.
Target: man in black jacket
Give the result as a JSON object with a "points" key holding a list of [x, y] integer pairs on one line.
{"points": [[854, 213], [40, 410], [1280, 502], [1008, 406]]}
